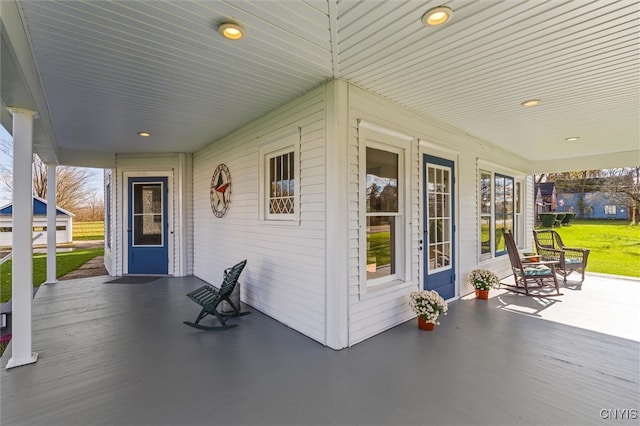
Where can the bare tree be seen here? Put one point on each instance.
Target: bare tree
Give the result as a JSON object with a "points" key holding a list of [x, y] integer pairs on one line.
{"points": [[72, 183], [95, 207]]}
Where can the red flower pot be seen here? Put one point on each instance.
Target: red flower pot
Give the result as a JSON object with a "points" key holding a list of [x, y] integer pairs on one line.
{"points": [[482, 294], [424, 325]]}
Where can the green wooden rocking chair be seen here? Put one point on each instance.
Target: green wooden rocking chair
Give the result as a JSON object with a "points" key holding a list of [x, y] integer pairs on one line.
{"points": [[209, 298]]}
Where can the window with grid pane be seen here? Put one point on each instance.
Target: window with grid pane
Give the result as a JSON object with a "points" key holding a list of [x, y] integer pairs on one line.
{"points": [[279, 194], [281, 183]]}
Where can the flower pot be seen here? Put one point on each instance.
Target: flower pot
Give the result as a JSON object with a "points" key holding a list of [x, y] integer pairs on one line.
{"points": [[424, 325], [482, 294]]}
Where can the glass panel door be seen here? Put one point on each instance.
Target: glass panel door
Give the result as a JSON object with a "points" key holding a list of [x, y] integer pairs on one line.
{"points": [[147, 214], [439, 218]]}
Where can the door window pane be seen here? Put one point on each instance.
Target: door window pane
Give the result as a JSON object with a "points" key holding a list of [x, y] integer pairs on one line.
{"points": [[147, 216]]}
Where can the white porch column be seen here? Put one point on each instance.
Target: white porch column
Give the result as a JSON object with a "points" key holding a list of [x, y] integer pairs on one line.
{"points": [[337, 215], [22, 284], [51, 224]]}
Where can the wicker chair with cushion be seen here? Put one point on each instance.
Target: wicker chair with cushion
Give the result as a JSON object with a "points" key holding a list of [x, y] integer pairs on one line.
{"points": [[549, 246]]}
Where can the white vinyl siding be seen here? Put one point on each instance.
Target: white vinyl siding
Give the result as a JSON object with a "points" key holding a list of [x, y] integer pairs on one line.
{"points": [[310, 273], [177, 168], [374, 312], [285, 273]]}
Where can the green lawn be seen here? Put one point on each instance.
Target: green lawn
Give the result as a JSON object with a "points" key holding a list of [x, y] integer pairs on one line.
{"points": [[379, 248], [88, 231], [614, 245], [65, 263]]}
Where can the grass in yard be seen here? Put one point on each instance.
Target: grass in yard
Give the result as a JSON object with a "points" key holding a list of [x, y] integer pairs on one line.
{"points": [[379, 251], [65, 263], [614, 245], [88, 231]]}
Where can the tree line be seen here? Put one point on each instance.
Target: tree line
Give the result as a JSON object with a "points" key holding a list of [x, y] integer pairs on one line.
{"points": [[73, 191], [621, 184]]}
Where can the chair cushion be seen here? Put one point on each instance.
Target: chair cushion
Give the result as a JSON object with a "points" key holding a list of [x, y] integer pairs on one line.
{"points": [[534, 271], [573, 261]]}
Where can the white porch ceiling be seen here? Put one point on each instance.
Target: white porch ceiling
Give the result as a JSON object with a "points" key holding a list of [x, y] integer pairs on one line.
{"points": [[109, 69]]}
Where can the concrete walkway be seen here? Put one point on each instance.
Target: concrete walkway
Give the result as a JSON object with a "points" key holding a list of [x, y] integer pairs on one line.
{"points": [[93, 268]]}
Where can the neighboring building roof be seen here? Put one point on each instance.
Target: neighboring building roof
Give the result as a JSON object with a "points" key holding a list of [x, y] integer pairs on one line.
{"points": [[39, 208], [546, 188]]}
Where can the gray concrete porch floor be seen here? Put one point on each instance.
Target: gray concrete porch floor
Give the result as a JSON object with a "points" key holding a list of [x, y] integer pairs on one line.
{"points": [[113, 354]]}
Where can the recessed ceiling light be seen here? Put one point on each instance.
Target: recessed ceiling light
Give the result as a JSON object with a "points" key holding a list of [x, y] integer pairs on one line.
{"points": [[437, 16], [572, 138], [144, 134], [231, 31], [531, 102]]}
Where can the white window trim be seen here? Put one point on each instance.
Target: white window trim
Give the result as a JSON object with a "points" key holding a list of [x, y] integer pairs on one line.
{"points": [[493, 169], [373, 136], [122, 241], [268, 147], [519, 225], [482, 257]]}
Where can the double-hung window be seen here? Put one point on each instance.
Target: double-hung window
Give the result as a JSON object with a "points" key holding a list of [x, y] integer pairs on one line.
{"points": [[504, 210], [384, 218], [383, 156], [497, 193]]}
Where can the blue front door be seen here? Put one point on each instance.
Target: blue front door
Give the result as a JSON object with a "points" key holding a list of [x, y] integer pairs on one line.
{"points": [[147, 226], [439, 226]]}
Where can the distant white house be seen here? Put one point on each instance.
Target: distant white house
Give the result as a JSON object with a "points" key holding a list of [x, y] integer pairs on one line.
{"points": [[64, 223]]}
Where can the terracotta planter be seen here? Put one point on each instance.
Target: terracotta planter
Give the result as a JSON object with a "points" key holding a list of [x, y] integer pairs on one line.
{"points": [[482, 294], [423, 325]]}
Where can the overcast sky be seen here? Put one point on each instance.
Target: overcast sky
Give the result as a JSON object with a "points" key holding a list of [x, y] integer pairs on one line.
{"points": [[95, 182]]}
